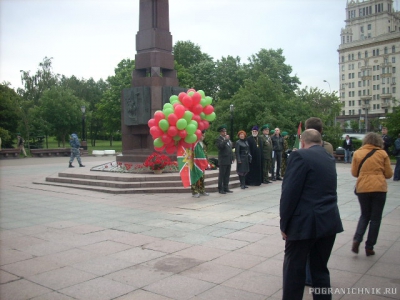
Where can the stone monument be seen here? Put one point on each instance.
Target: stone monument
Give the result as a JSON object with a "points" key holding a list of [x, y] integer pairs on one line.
{"points": [[154, 80]]}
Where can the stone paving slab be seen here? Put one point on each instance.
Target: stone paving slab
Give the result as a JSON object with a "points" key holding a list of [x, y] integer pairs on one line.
{"points": [[60, 243]]}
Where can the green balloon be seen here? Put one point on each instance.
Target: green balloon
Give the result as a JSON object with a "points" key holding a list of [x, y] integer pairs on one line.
{"points": [[210, 117], [174, 101], [208, 100], [167, 111], [203, 102], [201, 92], [163, 124], [188, 115], [191, 138], [181, 124], [173, 98], [191, 94], [190, 129], [158, 143], [167, 105], [202, 116], [194, 123]]}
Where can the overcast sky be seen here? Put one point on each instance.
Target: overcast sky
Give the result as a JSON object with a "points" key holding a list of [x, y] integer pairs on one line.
{"points": [[88, 38]]}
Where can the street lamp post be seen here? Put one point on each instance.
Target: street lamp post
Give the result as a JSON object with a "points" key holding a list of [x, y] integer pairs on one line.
{"points": [[231, 108], [83, 140], [330, 92]]}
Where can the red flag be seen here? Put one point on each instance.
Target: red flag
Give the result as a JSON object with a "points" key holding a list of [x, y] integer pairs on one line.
{"points": [[297, 144]]}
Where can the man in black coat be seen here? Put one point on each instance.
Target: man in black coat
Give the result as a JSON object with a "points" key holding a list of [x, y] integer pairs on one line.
{"points": [[277, 147], [225, 160], [255, 175], [309, 215]]}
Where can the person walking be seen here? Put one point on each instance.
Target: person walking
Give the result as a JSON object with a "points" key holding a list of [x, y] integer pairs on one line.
{"points": [[75, 153], [267, 152], [243, 158], [225, 160], [348, 148], [198, 188], [371, 166], [396, 176], [310, 217], [277, 146], [20, 144], [387, 141]]}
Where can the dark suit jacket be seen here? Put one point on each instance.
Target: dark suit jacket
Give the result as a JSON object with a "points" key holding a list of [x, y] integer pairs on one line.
{"points": [[225, 155], [308, 206]]}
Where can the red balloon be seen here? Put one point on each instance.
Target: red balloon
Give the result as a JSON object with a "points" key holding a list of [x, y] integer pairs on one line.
{"points": [[172, 131], [159, 115], [180, 111], [187, 101], [196, 118], [182, 133], [172, 119], [196, 98], [206, 124], [208, 109], [190, 90], [166, 138], [197, 109], [198, 134], [156, 132], [151, 123], [200, 125], [181, 95], [159, 149], [171, 150]]}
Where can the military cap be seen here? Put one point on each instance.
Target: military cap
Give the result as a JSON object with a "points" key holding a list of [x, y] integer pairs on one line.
{"points": [[222, 127], [266, 126]]}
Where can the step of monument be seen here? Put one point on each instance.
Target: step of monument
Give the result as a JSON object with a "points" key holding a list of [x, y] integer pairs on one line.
{"points": [[210, 187]]}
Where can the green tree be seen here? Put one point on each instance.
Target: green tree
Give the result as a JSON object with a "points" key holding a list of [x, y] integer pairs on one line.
{"points": [[229, 76], [109, 107], [188, 54], [392, 122], [9, 114], [355, 125], [60, 110]]}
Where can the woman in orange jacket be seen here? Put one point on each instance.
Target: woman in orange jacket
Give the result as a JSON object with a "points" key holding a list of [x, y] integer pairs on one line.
{"points": [[371, 189]]}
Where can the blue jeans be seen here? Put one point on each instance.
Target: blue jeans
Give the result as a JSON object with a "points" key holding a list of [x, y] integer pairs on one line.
{"points": [[347, 155]]}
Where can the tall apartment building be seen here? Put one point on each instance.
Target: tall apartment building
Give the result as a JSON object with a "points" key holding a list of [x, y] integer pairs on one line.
{"points": [[369, 62]]}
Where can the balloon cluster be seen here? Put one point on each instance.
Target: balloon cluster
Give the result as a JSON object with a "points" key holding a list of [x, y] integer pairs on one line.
{"points": [[181, 121]]}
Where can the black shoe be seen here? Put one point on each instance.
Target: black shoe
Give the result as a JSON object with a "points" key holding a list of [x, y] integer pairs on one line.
{"points": [[81, 166], [228, 191], [265, 182], [71, 166], [273, 179], [222, 192], [278, 178], [242, 187]]}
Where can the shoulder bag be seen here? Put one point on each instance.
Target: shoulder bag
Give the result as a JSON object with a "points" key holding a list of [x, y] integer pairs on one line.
{"points": [[359, 167]]}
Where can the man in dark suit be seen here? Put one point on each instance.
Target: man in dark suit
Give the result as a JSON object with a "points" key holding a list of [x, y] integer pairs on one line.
{"points": [[225, 159], [310, 217]]}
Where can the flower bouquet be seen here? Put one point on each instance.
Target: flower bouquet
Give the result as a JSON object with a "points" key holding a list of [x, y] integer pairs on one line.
{"points": [[157, 161]]}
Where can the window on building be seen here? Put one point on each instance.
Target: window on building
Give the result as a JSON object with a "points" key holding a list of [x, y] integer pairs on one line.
{"points": [[394, 80], [373, 52], [369, 35], [359, 55], [342, 76], [374, 97], [342, 67], [369, 25], [366, 54], [359, 74], [349, 111], [349, 103], [386, 60], [359, 102], [377, 52], [349, 95], [343, 112], [352, 56], [378, 67], [378, 97], [393, 49], [393, 59], [342, 58], [385, 50], [349, 75], [343, 94], [378, 87], [374, 87], [394, 70], [394, 90], [377, 106], [374, 106], [383, 91]]}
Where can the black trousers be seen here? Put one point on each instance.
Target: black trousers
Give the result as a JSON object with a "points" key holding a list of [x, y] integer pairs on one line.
{"points": [[223, 177], [294, 266], [278, 159], [372, 205]]}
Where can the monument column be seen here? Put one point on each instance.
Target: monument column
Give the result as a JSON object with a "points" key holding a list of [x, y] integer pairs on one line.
{"points": [[154, 80]]}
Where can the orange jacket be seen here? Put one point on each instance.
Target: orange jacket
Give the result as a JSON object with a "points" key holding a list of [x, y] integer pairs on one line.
{"points": [[374, 172]]}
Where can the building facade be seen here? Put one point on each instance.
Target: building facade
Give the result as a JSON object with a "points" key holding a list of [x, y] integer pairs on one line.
{"points": [[369, 62]]}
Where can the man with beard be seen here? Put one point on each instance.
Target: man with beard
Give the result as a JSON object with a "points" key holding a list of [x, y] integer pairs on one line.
{"points": [[267, 152], [255, 175]]}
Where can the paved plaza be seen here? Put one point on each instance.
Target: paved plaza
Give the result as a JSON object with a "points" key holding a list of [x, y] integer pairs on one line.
{"points": [[60, 243]]}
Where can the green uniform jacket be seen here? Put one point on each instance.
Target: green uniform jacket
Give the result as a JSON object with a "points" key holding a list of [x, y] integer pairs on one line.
{"points": [[266, 146]]}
